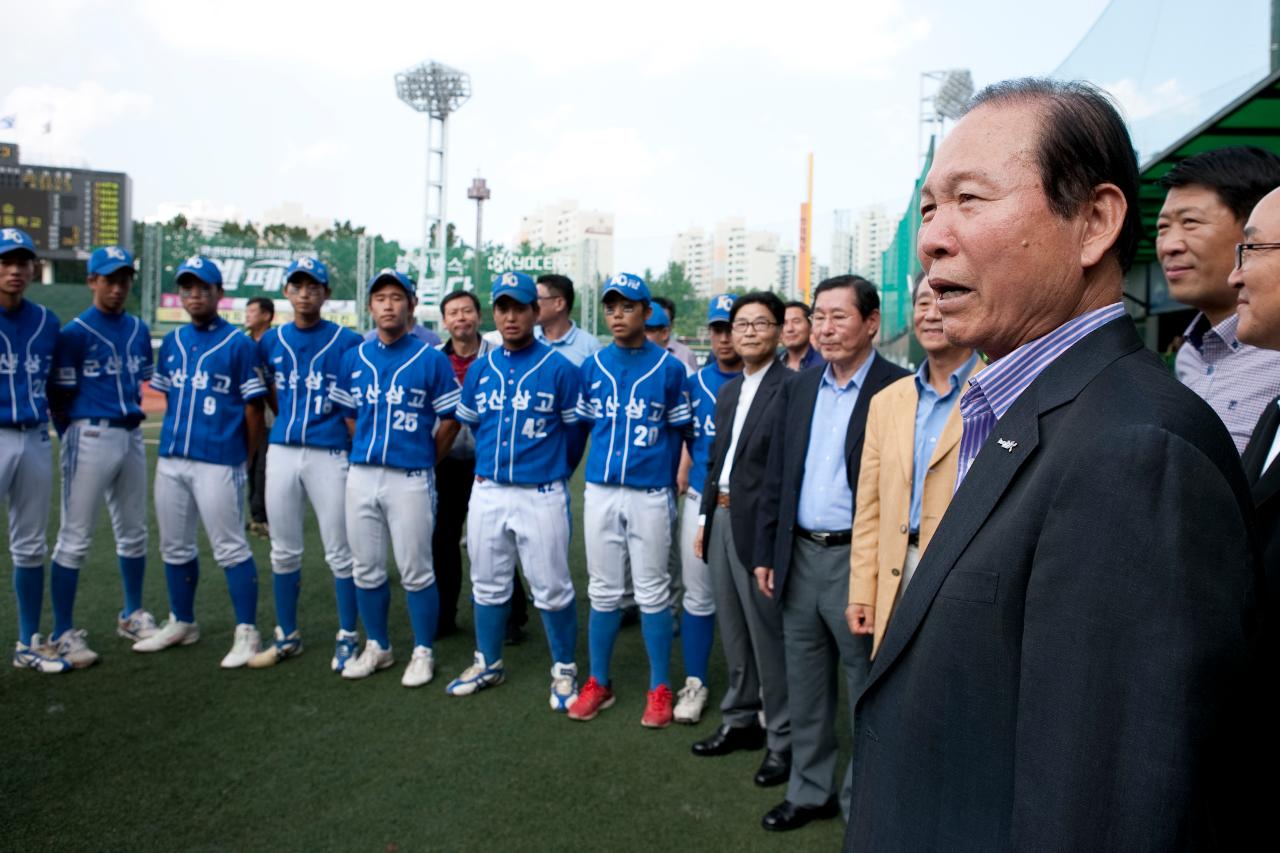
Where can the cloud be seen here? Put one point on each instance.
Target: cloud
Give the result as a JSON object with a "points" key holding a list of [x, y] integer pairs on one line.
{"points": [[617, 157], [1165, 97], [70, 115]]}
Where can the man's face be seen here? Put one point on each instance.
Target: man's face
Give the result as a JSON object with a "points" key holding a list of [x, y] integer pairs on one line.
{"points": [[515, 321], [927, 321], [1258, 280], [722, 345], [660, 336], [199, 300], [551, 305], [844, 335], [624, 317], [391, 309], [255, 319], [755, 333], [1005, 267], [1196, 236], [111, 291], [17, 269], [796, 329], [461, 318], [305, 294]]}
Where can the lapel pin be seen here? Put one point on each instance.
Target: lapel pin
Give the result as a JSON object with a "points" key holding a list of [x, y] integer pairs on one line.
{"points": [[1007, 444]]}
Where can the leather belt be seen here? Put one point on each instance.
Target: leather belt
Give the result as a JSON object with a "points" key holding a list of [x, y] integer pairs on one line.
{"points": [[914, 539], [722, 499], [24, 427], [829, 538], [117, 423]]}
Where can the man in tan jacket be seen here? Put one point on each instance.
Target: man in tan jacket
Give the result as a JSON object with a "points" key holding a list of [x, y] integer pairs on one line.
{"points": [[909, 463]]}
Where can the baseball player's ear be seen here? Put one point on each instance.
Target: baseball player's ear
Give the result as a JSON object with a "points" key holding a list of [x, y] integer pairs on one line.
{"points": [[648, 310]]}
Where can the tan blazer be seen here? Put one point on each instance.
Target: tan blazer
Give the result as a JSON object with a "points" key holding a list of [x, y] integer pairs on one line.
{"points": [[881, 521]]}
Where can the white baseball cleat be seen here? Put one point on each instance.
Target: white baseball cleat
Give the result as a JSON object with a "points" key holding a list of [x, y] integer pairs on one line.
{"points": [[373, 658], [243, 647], [282, 647], [138, 625], [691, 701], [477, 677], [564, 686], [39, 656], [71, 646], [172, 633], [345, 649], [421, 668]]}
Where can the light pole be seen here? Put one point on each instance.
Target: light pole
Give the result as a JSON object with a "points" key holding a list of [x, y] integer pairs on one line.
{"points": [[438, 91], [479, 192]]}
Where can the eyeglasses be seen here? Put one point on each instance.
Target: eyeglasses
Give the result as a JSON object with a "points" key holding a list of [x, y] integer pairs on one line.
{"points": [[836, 317], [759, 325], [627, 308], [1241, 248]]}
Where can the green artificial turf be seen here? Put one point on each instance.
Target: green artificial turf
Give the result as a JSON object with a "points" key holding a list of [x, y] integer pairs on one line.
{"points": [[168, 752]]}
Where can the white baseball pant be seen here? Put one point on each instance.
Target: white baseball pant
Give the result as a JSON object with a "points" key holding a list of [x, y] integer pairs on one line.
{"points": [[26, 480], [188, 491], [531, 523], [620, 524], [381, 500], [102, 462], [317, 474], [699, 599]]}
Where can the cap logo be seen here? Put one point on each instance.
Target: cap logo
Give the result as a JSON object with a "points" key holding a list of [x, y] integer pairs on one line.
{"points": [[306, 264], [12, 235], [724, 302], [115, 253], [621, 280], [510, 279], [387, 271], [195, 262]]}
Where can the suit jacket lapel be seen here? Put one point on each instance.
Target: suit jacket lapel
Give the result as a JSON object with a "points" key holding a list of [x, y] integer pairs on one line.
{"points": [[728, 396], [903, 415], [801, 415], [764, 394], [953, 428], [1263, 484], [875, 380]]}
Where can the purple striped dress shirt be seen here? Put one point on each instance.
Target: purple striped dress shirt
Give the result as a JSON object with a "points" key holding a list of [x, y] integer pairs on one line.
{"points": [[994, 390]]}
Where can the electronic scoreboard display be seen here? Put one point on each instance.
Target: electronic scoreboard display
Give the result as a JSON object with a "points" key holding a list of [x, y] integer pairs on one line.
{"points": [[68, 212]]}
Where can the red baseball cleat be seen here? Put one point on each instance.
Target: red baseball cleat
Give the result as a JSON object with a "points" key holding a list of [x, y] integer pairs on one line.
{"points": [[594, 698], [657, 709]]}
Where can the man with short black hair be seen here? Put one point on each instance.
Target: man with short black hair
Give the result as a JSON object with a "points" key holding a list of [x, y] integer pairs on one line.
{"points": [[1209, 197], [798, 352], [555, 327], [259, 312], [673, 344]]}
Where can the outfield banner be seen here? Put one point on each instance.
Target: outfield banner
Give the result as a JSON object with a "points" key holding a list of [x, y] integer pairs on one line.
{"points": [[231, 309]]}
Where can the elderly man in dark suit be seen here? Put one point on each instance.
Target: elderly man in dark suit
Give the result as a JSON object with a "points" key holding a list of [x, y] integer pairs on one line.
{"points": [[1068, 668], [806, 520]]}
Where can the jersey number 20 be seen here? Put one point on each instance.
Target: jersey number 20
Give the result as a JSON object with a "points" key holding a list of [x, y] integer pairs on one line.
{"points": [[646, 436]]}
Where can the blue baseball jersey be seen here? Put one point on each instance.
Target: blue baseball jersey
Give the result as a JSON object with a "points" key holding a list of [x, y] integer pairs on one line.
{"points": [[396, 393], [520, 406], [28, 338], [638, 406], [304, 365], [703, 388], [207, 376], [104, 359]]}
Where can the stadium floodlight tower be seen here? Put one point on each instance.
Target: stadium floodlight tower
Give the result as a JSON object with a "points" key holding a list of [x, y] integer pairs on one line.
{"points": [[438, 91], [943, 95]]}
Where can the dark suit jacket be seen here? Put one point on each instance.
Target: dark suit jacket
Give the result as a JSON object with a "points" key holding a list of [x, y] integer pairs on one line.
{"points": [[787, 451], [1266, 502], [1066, 670], [750, 460]]}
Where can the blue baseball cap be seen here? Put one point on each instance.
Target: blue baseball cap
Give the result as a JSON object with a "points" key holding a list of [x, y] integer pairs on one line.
{"points": [[16, 240], [658, 318], [202, 268], [108, 259], [627, 286], [517, 286], [387, 274], [718, 310], [309, 266]]}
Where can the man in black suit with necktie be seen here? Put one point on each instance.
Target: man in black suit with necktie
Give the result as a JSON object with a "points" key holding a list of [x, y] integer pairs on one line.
{"points": [[1069, 668]]}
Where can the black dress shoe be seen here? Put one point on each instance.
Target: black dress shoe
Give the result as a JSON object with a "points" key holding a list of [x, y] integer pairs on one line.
{"points": [[730, 739], [774, 770], [788, 815]]}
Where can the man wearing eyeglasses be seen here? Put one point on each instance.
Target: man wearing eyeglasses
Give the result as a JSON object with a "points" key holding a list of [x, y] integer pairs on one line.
{"points": [[802, 548], [1210, 196], [555, 328]]}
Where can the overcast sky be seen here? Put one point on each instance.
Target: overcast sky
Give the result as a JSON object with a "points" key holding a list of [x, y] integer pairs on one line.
{"points": [[668, 114]]}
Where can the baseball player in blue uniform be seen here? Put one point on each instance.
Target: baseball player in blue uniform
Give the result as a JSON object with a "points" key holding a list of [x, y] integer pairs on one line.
{"points": [[634, 397], [103, 357], [209, 373], [307, 458], [394, 389], [28, 337], [699, 621], [521, 403]]}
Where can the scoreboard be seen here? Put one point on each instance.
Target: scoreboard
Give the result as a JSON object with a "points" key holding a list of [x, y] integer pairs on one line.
{"points": [[68, 212]]}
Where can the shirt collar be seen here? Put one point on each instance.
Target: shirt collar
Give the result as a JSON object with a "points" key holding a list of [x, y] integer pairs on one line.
{"points": [[1226, 331], [922, 377], [859, 376], [566, 340]]}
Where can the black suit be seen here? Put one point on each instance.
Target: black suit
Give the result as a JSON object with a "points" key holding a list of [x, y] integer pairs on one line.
{"points": [[1265, 487], [1066, 669]]}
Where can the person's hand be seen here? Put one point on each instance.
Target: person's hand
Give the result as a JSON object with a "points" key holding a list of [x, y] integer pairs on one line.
{"points": [[682, 482], [697, 544], [764, 580], [861, 618]]}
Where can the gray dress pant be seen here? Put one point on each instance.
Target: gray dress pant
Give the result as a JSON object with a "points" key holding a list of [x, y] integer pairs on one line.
{"points": [[751, 634], [818, 645]]}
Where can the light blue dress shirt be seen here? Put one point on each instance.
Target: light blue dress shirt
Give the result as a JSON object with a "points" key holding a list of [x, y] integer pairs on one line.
{"points": [[826, 501], [576, 345], [931, 417]]}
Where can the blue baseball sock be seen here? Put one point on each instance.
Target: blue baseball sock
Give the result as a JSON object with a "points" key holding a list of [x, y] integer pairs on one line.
{"points": [[491, 628], [562, 632], [345, 588], [656, 628], [285, 588], [424, 614], [696, 636], [28, 586], [182, 579], [242, 583], [602, 630], [132, 570], [374, 605], [62, 593]]}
